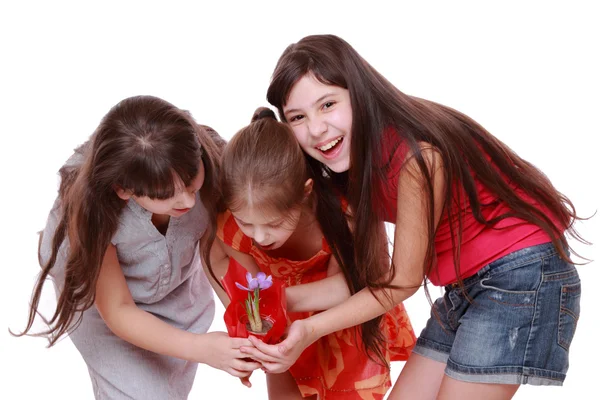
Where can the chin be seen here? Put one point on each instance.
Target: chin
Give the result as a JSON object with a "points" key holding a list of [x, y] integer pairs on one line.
{"points": [[339, 167]]}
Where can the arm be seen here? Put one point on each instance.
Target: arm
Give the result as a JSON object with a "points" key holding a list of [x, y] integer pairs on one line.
{"points": [[130, 323], [219, 262], [323, 294], [320, 295], [219, 259], [410, 246], [306, 297]]}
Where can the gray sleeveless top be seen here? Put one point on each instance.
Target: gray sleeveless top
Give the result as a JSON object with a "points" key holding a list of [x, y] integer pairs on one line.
{"points": [[164, 273]]}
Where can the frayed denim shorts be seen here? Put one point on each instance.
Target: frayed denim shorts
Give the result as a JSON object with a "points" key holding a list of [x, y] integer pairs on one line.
{"points": [[517, 326]]}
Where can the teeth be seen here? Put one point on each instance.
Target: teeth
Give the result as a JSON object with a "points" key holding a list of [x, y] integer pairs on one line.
{"points": [[329, 145]]}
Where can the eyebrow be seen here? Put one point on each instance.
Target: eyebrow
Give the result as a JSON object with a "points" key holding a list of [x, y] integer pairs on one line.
{"points": [[274, 221], [238, 219], [320, 99]]}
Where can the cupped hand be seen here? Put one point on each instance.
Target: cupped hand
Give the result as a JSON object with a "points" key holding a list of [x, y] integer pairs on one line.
{"points": [[280, 357], [223, 352]]}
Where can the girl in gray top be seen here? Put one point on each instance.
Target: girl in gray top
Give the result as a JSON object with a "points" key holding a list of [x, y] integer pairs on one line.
{"points": [[124, 244]]}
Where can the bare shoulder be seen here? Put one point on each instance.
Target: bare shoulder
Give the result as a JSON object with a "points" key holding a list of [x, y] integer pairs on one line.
{"points": [[431, 156]]}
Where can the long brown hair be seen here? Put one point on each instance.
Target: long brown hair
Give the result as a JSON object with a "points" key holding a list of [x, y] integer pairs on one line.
{"points": [[461, 142], [140, 145], [263, 166]]}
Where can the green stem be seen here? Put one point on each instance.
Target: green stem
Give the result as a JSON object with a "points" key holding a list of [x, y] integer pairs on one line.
{"points": [[253, 311], [249, 313], [256, 311]]}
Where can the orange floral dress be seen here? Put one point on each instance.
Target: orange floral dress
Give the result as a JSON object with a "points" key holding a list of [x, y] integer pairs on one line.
{"points": [[334, 367]]}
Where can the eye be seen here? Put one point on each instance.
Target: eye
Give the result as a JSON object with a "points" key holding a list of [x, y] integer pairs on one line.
{"points": [[296, 118], [275, 224], [240, 223], [328, 104]]}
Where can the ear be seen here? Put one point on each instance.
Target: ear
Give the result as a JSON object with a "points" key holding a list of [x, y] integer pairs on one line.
{"points": [[122, 193], [308, 187]]}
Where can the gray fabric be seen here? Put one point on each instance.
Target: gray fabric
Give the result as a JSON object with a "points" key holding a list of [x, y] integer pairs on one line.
{"points": [[165, 277]]}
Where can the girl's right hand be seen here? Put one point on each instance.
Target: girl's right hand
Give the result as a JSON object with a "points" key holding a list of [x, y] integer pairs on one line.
{"points": [[278, 358], [223, 352]]}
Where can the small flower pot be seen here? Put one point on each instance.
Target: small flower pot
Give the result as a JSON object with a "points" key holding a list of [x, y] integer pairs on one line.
{"points": [[267, 324], [272, 306]]}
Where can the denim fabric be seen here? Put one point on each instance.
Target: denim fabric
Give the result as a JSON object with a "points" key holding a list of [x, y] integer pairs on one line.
{"points": [[516, 327]]}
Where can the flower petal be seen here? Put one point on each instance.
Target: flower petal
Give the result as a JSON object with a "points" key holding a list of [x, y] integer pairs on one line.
{"points": [[253, 284], [242, 287], [267, 283], [249, 277], [261, 276]]}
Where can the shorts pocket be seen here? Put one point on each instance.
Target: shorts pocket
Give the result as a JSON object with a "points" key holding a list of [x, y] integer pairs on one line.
{"points": [[520, 280], [570, 295]]}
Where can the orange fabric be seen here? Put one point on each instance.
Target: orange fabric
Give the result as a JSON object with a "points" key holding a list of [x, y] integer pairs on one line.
{"points": [[334, 367]]}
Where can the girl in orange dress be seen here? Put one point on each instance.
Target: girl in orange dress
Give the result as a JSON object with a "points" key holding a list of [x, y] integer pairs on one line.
{"points": [[271, 226]]}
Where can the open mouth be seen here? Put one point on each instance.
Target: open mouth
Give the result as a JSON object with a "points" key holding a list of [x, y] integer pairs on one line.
{"points": [[331, 148], [267, 247]]}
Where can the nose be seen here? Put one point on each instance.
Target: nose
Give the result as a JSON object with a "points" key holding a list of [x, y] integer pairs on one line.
{"points": [[187, 200], [260, 235], [316, 126]]}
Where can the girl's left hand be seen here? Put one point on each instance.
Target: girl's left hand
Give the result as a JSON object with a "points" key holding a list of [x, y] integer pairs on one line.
{"points": [[280, 357]]}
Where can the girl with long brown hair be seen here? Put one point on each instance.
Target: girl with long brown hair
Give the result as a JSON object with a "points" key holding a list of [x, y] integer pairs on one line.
{"points": [[124, 244], [270, 226], [469, 214]]}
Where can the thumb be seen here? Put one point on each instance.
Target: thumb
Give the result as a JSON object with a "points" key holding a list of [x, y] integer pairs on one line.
{"points": [[283, 348], [291, 341]]}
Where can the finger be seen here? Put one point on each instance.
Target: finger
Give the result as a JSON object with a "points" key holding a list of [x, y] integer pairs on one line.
{"points": [[236, 343], [257, 355], [239, 353], [251, 354], [274, 368], [288, 344], [267, 349], [247, 366], [246, 382], [236, 373]]}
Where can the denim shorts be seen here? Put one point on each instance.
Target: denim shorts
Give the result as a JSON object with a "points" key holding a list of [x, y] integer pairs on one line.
{"points": [[517, 326]]}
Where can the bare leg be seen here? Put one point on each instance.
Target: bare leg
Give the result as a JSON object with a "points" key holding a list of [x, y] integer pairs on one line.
{"points": [[420, 379], [283, 387], [454, 389]]}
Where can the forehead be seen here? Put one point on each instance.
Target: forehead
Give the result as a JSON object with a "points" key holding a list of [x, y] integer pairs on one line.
{"points": [[256, 216], [307, 90]]}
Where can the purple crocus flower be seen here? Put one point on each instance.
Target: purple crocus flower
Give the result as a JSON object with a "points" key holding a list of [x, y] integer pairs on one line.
{"points": [[262, 281]]}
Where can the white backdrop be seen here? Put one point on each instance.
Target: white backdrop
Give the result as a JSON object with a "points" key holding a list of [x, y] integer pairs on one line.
{"points": [[527, 71]]}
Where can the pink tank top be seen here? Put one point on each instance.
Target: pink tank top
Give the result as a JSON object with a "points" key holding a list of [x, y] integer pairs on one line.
{"points": [[480, 244]]}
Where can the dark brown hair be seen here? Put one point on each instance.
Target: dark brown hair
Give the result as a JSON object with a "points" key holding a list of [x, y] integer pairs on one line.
{"points": [[263, 166], [140, 145], [461, 143]]}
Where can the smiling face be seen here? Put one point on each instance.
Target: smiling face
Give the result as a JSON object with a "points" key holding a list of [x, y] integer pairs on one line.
{"points": [[182, 202], [321, 117], [269, 230]]}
